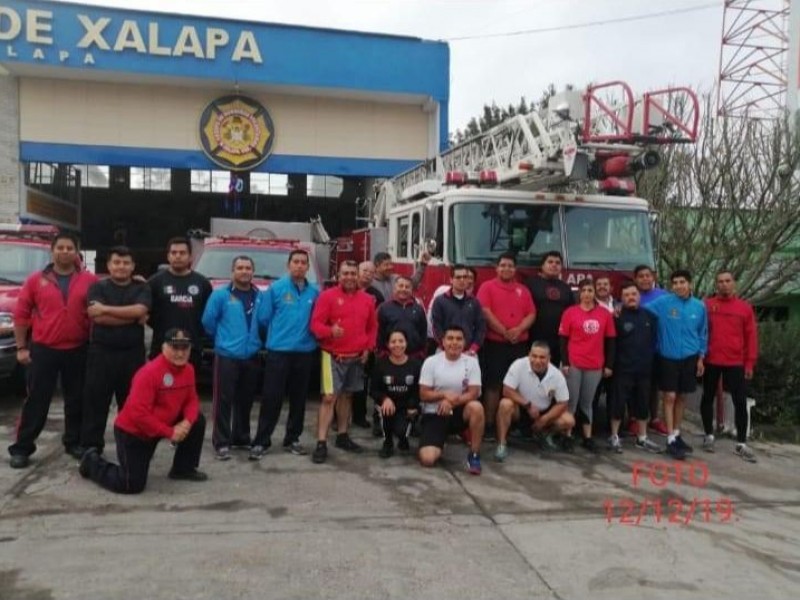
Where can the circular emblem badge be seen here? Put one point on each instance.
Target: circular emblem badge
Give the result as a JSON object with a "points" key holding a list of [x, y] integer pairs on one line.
{"points": [[168, 380], [553, 293], [194, 290], [236, 132], [591, 326]]}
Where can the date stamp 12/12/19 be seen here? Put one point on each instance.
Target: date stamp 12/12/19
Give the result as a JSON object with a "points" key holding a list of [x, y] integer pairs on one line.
{"points": [[672, 511]]}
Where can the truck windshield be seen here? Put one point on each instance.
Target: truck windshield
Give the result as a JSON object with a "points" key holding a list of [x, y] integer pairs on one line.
{"points": [[604, 238], [480, 232], [215, 262], [17, 261], [607, 238]]}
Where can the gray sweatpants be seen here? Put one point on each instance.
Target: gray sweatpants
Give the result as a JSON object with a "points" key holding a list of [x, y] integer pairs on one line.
{"points": [[582, 386]]}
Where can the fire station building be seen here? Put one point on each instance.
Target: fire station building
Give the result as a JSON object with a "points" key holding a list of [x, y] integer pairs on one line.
{"points": [[131, 127]]}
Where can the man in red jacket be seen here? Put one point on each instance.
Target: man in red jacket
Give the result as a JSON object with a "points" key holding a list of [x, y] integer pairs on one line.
{"points": [[52, 303], [345, 324], [732, 354], [163, 404]]}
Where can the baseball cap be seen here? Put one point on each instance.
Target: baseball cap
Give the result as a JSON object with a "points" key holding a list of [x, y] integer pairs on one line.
{"points": [[177, 337]]}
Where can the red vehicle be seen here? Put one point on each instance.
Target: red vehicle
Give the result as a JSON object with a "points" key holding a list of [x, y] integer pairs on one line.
{"points": [[495, 193], [23, 250]]}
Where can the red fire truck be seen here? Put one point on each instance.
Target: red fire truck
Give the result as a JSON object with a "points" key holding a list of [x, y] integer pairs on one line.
{"points": [[506, 190]]}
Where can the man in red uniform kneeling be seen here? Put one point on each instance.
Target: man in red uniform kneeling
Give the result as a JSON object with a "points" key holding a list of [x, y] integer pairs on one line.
{"points": [[162, 404]]}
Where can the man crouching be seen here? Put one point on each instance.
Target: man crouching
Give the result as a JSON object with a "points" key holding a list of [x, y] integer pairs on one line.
{"points": [[162, 404]]}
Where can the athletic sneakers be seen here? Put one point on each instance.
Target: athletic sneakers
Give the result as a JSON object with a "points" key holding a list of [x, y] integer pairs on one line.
{"points": [[344, 442], [403, 445], [295, 448], [193, 475], [683, 445], [568, 444], [658, 426], [744, 452], [387, 450], [675, 451], [474, 463], [222, 453], [256, 453], [588, 444], [320, 454], [89, 458], [708, 443], [648, 446], [501, 453], [614, 444]]}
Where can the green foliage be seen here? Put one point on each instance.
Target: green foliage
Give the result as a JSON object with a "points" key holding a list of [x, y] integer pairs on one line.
{"points": [[776, 383]]}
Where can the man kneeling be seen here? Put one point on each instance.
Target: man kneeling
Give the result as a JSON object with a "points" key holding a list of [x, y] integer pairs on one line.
{"points": [[449, 385], [162, 404], [534, 391]]}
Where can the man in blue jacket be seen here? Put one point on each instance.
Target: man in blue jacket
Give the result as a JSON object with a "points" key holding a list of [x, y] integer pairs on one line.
{"points": [[286, 312], [229, 318], [682, 342]]}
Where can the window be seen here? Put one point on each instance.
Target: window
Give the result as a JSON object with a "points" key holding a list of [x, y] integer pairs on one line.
{"points": [[482, 231], [271, 184], [324, 186], [608, 238], [149, 178], [94, 176], [415, 231], [17, 261], [402, 236]]}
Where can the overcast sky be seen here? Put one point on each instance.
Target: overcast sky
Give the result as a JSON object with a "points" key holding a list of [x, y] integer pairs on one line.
{"points": [[671, 49]]}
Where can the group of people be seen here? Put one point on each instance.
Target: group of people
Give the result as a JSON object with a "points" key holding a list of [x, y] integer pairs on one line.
{"points": [[475, 363]]}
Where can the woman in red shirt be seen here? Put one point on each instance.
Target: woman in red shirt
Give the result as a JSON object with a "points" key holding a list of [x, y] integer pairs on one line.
{"points": [[587, 335]]}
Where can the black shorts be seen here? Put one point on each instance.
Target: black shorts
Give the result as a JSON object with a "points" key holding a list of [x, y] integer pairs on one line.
{"points": [[525, 423], [632, 391], [435, 428], [496, 358], [678, 376]]}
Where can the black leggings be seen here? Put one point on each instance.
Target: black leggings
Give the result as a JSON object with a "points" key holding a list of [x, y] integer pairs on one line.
{"points": [[733, 377]]}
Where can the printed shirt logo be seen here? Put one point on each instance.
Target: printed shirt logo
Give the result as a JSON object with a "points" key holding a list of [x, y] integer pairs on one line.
{"points": [[168, 379], [673, 313], [194, 290], [627, 327], [591, 326], [340, 301], [519, 292], [409, 380], [169, 290], [236, 132], [553, 293], [288, 298]]}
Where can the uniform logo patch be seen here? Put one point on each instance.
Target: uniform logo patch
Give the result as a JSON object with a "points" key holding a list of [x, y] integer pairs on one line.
{"points": [[627, 327], [169, 290], [553, 293], [194, 290], [288, 298], [519, 292], [409, 380], [168, 379], [591, 326]]}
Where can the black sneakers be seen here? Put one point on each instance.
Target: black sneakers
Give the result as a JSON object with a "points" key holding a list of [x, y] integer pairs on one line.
{"points": [[387, 450], [588, 444], [687, 449], [320, 454], [676, 451], [193, 475], [344, 442], [19, 461], [403, 445]]}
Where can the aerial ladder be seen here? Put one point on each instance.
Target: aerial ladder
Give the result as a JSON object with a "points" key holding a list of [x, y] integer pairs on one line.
{"points": [[601, 133]]}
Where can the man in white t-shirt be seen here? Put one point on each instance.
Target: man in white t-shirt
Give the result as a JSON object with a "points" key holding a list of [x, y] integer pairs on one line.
{"points": [[536, 391], [449, 386]]}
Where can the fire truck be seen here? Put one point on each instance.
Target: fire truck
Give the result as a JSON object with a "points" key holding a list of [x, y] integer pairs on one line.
{"points": [[558, 179]]}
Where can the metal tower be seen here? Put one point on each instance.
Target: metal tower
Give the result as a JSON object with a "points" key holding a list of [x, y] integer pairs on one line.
{"points": [[753, 59]]}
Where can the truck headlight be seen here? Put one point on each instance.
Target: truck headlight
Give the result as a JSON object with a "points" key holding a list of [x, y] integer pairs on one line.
{"points": [[6, 323]]}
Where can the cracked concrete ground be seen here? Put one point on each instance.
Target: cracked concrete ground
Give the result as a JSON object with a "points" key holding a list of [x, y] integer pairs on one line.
{"points": [[536, 526]]}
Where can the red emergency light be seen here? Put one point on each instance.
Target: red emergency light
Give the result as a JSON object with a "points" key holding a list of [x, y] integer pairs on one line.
{"points": [[614, 186], [455, 178]]}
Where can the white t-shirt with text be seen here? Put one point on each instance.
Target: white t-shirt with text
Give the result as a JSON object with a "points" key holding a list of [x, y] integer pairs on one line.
{"points": [[542, 392], [445, 375]]}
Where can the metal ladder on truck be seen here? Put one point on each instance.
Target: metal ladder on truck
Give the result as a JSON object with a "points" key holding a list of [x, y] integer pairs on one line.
{"points": [[599, 133]]}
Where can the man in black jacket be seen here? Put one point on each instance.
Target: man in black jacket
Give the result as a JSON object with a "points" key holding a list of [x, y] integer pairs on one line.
{"points": [[403, 312], [456, 307], [551, 297]]}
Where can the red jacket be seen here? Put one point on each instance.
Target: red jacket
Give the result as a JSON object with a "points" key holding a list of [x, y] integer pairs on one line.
{"points": [[355, 313], [41, 306], [732, 334], [161, 396]]}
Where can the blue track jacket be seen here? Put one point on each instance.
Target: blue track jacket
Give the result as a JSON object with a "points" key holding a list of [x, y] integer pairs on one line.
{"points": [[682, 326], [286, 311], [224, 320]]}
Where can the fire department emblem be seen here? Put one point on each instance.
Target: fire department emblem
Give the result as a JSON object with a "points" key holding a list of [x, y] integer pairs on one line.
{"points": [[236, 132], [168, 380], [553, 293], [194, 290]]}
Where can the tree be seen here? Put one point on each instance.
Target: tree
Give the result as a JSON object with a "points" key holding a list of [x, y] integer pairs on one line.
{"points": [[732, 200]]}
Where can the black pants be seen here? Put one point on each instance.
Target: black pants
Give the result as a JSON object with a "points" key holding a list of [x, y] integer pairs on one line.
{"points": [[109, 372], [235, 382], [733, 378], [399, 424], [134, 455], [46, 365], [285, 373]]}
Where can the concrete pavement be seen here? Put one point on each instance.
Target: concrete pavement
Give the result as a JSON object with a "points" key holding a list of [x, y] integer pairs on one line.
{"points": [[536, 526]]}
